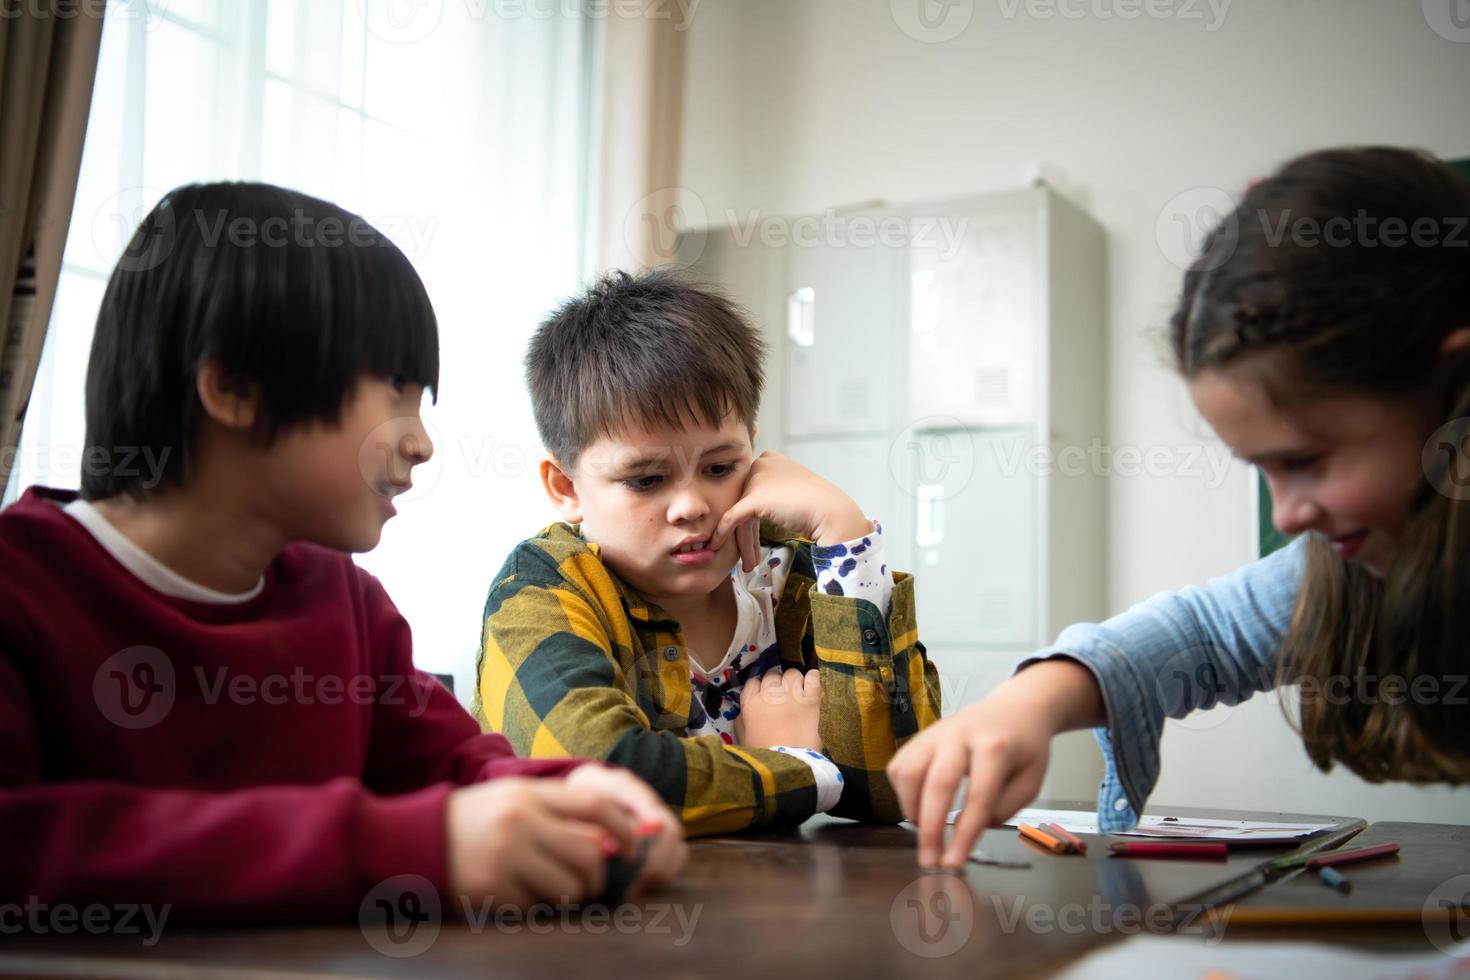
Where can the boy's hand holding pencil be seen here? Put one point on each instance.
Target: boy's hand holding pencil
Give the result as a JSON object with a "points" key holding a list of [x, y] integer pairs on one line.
{"points": [[519, 841], [658, 833]]}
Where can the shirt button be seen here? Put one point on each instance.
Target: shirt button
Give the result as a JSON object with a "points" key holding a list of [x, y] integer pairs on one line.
{"points": [[870, 637], [671, 653], [903, 703], [1120, 804]]}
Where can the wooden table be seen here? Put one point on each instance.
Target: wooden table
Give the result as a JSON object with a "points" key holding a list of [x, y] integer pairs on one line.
{"points": [[831, 899]]}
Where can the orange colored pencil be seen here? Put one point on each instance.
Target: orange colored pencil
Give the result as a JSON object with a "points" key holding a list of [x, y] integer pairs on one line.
{"points": [[1042, 838]]}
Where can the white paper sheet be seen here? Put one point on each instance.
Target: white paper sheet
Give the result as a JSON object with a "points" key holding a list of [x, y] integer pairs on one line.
{"points": [[1163, 826], [1182, 956]]}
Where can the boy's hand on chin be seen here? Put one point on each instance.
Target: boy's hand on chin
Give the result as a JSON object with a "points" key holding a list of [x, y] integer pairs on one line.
{"points": [[784, 492]]}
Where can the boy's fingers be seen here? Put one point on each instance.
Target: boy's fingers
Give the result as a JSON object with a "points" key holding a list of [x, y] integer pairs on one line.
{"points": [[773, 686], [739, 511], [589, 803], [811, 685], [647, 806], [665, 858], [648, 810], [577, 847], [796, 684], [544, 877], [511, 892], [748, 541]]}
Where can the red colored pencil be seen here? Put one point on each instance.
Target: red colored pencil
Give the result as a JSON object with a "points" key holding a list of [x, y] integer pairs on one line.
{"points": [[1172, 849], [1350, 856]]}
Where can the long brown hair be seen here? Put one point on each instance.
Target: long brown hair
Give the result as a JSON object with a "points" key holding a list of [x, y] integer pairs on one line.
{"points": [[1345, 272]]}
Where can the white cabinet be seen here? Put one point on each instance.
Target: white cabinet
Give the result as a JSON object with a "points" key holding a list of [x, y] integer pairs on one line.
{"points": [[843, 329], [942, 380], [976, 310], [974, 538]]}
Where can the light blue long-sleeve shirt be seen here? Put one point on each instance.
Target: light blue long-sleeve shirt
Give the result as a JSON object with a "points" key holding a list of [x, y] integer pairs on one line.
{"points": [[1176, 653]]}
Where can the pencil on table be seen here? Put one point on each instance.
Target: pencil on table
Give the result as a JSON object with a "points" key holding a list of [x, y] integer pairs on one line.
{"points": [[1351, 855], [1042, 838], [1067, 837]]}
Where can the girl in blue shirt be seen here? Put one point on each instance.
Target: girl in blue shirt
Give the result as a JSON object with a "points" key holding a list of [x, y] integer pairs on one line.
{"points": [[1324, 334]]}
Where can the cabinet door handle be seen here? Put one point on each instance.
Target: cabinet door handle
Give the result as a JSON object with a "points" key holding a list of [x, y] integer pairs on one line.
{"points": [[931, 515], [801, 316], [924, 298]]}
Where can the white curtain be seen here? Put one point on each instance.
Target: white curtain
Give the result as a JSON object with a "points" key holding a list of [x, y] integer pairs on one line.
{"points": [[462, 130], [639, 206]]}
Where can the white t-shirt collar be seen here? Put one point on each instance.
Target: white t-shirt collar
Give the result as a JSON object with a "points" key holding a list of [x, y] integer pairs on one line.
{"points": [[147, 569]]}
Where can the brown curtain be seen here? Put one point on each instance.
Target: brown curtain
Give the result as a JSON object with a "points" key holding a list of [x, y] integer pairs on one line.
{"points": [[641, 97], [48, 58]]}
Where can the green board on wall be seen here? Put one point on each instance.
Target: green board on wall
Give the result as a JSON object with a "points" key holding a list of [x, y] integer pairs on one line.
{"points": [[1270, 538]]}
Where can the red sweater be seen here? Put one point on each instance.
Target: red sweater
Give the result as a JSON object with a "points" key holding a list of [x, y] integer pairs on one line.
{"points": [[270, 760]]}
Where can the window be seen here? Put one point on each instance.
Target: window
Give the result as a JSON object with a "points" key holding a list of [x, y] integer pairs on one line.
{"points": [[462, 131]]}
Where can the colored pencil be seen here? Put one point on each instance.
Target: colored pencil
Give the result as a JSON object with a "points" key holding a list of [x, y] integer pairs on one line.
{"points": [[1066, 836], [1351, 856], [1212, 902], [1288, 863], [1041, 838], [1333, 878]]}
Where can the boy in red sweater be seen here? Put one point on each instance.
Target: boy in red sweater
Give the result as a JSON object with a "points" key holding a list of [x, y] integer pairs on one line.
{"points": [[204, 703]]}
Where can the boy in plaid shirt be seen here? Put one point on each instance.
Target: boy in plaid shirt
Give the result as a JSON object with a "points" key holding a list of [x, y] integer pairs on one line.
{"points": [[724, 625]]}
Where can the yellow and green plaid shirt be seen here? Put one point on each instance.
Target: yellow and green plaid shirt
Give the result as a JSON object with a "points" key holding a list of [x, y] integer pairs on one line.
{"points": [[573, 662]]}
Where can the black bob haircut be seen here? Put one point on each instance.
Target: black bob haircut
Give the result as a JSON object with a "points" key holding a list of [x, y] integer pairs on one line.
{"points": [[291, 295]]}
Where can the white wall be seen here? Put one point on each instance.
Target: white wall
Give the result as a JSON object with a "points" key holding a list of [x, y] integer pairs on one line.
{"points": [[801, 105]]}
